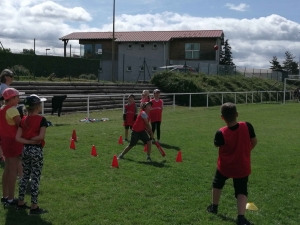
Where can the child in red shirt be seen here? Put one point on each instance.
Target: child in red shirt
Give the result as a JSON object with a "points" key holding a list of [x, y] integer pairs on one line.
{"points": [[31, 133], [145, 98], [129, 115], [235, 142], [156, 113]]}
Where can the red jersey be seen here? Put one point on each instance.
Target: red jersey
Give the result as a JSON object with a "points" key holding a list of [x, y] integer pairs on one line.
{"points": [[31, 126], [10, 147], [156, 111], [234, 155], [130, 111], [139, 124]]}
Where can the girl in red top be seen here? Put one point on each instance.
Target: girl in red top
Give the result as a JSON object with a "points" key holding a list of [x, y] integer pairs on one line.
{"points": [[156, 112], [145, 98], [9, 120], [129, 115], [31, 133]]}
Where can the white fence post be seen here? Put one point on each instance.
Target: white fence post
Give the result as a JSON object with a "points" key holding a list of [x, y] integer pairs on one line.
{"points": [[190, 103], [206, 99], [222, 99], [260, 97], [234, 98], [246, 98]]}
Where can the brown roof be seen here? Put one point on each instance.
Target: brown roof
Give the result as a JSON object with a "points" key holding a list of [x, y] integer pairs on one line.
{"points": [[144, 35]]}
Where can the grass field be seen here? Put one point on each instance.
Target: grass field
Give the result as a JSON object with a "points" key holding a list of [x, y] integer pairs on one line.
{"points": [[79, 189]]}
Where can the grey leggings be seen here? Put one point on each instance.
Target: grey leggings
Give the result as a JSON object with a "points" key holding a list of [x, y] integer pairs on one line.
{"points": [[32, 161]]}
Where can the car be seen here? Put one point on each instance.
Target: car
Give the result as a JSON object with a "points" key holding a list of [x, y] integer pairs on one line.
{"points": [[180, 69]]}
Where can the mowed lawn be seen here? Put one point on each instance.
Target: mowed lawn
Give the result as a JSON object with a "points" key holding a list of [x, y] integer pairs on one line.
{"points": [[80, 189]]}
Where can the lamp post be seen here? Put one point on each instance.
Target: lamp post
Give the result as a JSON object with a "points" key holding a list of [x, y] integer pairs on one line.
{"points": [[113, 46], [47, 49]]}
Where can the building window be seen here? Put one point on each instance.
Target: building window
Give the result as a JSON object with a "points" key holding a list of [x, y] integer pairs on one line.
{"points": [[154, 46], [128, 69], [142, 46], [98, 49], [154, 68], [129, 46], [192, 50], [141, 68]]}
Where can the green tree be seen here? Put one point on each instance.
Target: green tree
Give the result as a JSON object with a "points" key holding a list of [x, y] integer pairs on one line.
{"points": [[226, 55], [28, 52], [5, 50], [288, 63], [275, 65]]}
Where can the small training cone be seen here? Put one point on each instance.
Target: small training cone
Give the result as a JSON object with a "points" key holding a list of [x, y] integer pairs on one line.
{"points": [[120, 140], [72, 144], [251, 206], [74, 136], [115, 162], [179, 157], [146, 148], [94, 152]]}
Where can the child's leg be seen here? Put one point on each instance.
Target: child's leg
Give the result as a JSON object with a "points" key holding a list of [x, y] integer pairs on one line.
{"points": [[26, 164], [37, 163], [20, 169], [158, 129], [12, 176], [5, 179], [126, 132], [153, 126], [241, 193], [1, 153]]}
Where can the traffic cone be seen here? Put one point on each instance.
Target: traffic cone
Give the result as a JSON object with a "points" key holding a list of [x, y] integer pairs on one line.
{"points": [[146, 148], [115, 162], [72, 144], [179, 157], [74, 136], [120, 140], [94, 152]]}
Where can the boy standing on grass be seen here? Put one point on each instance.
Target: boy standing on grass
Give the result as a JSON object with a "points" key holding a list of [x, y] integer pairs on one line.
{"points": [[156, 113], [235, 142], [139, 131], [129, 115], [31, 133]]}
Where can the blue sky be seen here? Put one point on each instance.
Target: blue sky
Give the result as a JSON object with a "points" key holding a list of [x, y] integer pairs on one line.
{"points": [[257, 30]]}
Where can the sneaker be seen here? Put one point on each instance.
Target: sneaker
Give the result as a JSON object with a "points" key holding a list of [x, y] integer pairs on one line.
{"points": [[13, 203], [120, 156], [245, 222], [37, 211], [4, 200], [22, 207], [211, 209], [149, 159]]}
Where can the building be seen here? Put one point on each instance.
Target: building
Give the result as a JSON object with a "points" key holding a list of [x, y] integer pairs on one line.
{"points": [[139, 54]]}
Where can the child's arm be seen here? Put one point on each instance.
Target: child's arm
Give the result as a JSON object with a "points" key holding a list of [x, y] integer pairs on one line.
{"points": [[41, 135], [23, 140], [17, 120], [253, 142], [148, 128]]}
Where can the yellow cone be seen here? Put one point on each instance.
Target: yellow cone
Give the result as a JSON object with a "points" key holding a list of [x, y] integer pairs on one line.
{"points": [[251, 206]]}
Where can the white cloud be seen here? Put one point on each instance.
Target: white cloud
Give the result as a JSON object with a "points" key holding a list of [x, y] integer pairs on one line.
{"points": [[240, 7]]}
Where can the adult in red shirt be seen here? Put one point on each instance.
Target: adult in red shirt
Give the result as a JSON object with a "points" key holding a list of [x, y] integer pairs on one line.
{"points": [[235, 142], [140, 131], [156, 113]]}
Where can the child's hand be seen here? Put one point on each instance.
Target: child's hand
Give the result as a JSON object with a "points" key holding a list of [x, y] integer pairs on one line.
{"points": [[32, 142]]}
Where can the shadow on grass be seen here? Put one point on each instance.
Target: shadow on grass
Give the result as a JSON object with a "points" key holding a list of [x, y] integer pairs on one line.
{"points": [[60, 124], [163, 145], [22, 217], [153, 163], [226, 218]]}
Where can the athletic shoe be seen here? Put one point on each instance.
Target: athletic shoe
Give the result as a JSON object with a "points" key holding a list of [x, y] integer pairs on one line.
{"points": [[149, 159], [211, 209], [4, 200], [245, 222], [120, 156], [13, 203], [22, 207], [37, 211]]}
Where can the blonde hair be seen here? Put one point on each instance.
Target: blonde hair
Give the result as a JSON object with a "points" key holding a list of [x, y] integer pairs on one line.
{"points": [[146, 92]]}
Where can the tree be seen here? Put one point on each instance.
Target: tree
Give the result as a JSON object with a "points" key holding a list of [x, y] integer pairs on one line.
{"points": [[288, 63], [275, 65], [226, 55], [28, 51], [5, 50]]}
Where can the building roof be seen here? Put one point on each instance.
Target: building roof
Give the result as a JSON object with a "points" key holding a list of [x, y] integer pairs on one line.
{"points": [[144, 35]]}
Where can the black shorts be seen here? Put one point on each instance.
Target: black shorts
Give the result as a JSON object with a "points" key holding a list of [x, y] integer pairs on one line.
{"points": [[127, 127], [136, 136], [240, 184]]}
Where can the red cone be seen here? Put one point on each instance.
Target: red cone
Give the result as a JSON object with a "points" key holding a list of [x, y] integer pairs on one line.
{"points": [[72, 144], [115, 162], [179, 157], [94, 152], [120, 140], [74, 136], [146, 148]]}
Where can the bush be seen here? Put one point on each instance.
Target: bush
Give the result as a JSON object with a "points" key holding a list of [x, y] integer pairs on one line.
{"points": [[83, 77], [91, 76], [20, 70]]}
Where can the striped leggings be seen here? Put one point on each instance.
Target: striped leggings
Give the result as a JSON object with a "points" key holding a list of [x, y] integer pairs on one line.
{"points": [[32, 161]]}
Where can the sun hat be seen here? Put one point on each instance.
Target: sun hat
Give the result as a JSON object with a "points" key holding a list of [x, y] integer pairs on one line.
{"points": [[9, 93], [33, 100], [156, 90], [145, 104], [7, 72]]}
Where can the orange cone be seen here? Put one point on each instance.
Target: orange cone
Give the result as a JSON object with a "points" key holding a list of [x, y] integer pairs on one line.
{"points": [[120, 140], [179, 157], [72, 144], [94, 152], [115, 162], [74, 136], [146, 148]]}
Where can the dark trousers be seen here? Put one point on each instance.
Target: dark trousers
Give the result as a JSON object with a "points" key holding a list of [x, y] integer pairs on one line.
{"points": [[156, 126]]}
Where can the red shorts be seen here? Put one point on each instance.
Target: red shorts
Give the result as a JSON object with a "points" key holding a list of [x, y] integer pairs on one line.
{"points": [[10, 147]]}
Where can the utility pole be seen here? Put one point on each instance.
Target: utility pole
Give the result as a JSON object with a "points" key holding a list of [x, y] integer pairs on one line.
{"points": [[113, 47]]}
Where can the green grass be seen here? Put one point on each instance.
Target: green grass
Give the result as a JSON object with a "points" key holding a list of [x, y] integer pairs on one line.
{"points": [[79, 189]]}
